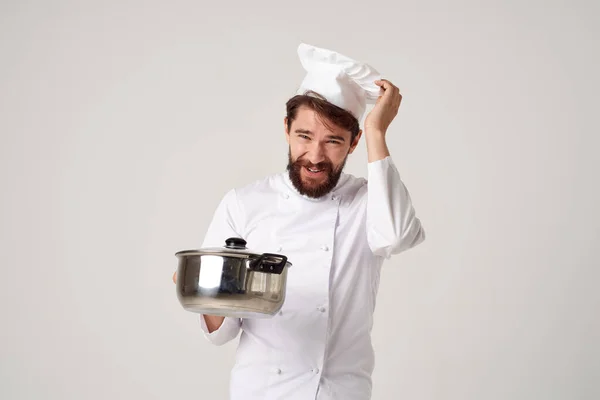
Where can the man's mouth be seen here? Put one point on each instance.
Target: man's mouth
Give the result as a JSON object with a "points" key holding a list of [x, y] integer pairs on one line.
{"points": [[314, 170]]}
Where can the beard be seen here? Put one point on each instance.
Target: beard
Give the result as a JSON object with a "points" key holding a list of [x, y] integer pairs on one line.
{"points": [[313, 189]]}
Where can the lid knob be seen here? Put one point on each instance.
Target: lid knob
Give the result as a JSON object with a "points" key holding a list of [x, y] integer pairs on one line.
{"points": [[235, 243]]}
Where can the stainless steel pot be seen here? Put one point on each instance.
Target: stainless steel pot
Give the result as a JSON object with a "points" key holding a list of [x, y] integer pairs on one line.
{"points": [[231, 281]]}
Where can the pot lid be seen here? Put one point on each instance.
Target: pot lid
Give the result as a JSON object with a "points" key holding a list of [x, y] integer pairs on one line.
{"points": [[234, 247]]}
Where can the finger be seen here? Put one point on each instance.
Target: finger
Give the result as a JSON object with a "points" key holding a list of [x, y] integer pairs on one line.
{"points": [[386, 84], [175, 277], [386, 92], [399, 97], [387, 89], [380, 83]]}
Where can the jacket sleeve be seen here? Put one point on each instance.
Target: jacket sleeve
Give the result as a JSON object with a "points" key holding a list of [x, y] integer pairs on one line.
{"points": [[226, 222], [226, 332], [392, 225]]}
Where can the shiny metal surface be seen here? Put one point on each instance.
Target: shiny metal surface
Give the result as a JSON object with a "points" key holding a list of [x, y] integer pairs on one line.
{"points": [[237, 286]]}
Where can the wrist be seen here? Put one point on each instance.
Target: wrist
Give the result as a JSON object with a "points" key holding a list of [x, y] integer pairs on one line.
{"points": [[376, 146], [374, 133], [213, 322]]}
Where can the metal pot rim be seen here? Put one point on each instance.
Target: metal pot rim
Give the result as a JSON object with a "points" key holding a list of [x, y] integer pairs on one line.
{"points": [[234, 247], [221, 253], [216, 252]]}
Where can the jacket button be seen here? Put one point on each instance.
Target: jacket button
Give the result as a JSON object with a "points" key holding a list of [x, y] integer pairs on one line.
{"points": [[277, 371], [316, 370], [322, 309], [325, 248], [286, 196]]}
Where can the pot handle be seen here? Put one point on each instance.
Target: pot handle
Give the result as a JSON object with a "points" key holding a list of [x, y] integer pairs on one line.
{"points": [[269, 263]]}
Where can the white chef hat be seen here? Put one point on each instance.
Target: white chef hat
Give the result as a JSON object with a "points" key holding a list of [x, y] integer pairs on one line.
{"points": [[347, 83]]}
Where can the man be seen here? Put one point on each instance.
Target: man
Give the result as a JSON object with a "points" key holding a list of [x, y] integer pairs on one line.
{"points": [[336, 230]]}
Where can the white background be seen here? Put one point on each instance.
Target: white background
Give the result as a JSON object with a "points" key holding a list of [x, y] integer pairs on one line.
{"points": [[123, 123]]}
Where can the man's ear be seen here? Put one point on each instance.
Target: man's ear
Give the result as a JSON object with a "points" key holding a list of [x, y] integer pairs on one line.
{"points": [[355, 142], [286, 130]]}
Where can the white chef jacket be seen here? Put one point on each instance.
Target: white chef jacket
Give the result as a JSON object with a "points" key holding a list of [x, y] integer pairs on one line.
{"points": [[319, 345]]}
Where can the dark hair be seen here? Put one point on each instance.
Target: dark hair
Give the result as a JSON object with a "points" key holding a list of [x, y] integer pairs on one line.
{"points": [[327, 111]]}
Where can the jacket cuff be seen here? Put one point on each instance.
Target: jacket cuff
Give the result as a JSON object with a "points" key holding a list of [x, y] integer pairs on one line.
{"points": [[226, 332]]}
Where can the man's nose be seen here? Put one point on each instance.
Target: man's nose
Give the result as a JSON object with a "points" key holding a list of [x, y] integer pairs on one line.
{"points": [[316, 153]]}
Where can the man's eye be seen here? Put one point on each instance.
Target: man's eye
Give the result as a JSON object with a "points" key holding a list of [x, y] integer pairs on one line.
{"points": [[334, 142], [304, 137]]}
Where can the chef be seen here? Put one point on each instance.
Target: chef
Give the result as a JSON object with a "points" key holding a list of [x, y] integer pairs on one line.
{"points": [[336, 229]]}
